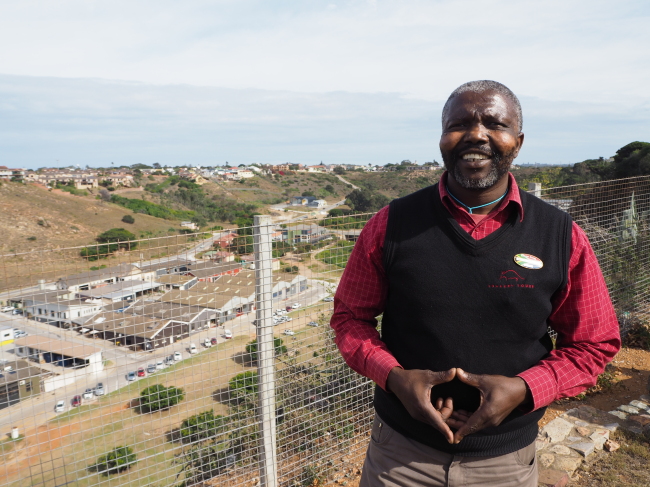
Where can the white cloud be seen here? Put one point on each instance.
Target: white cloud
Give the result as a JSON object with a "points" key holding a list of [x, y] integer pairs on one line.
{"points": [[79, 121], [582, 50]]}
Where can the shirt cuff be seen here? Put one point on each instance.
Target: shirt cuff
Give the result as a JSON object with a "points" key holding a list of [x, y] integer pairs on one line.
{"points": [[542, 385], [379, 365]]}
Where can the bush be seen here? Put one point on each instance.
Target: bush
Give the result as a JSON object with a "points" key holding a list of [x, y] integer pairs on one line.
{"points": [[128, 219], [243, 384], [292, 268], [280, 348], [117, 460], [31, 238], [157, 397], [202, 426]]}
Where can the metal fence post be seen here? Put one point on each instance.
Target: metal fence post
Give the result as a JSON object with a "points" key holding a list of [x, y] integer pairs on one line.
{"points": [[265, 349]]}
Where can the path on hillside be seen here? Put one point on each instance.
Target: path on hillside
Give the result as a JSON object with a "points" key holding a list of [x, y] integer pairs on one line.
{"points": [[346, 181]]}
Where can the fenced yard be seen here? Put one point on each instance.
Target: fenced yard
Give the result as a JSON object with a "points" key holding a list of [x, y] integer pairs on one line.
{"points": [[273, 405]]}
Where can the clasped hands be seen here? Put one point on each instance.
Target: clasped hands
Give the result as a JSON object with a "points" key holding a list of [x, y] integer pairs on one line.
{"points": [[500, 395]]}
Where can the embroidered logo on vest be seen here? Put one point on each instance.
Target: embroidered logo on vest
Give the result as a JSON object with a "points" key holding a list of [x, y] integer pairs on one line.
{"points": [[511, 279]]}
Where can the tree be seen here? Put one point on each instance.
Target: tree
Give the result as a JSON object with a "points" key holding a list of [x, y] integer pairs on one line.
{"points": [[243, 385], [104, 194], [202, 426], [632, 160], [365, 201], [118, 460], [157, 397], [123, 238], [128, 219], [329, 188], [308, 193], [278, 344], [339, 170]]}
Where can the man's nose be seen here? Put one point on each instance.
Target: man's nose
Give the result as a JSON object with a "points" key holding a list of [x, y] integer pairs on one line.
{"points": [[476, 133]]}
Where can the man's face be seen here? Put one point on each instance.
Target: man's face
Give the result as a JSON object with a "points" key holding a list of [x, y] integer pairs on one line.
{"points": [[480, 138]]}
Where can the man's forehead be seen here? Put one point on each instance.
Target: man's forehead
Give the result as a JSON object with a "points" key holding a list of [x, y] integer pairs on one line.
{"points": [[488, 102]]}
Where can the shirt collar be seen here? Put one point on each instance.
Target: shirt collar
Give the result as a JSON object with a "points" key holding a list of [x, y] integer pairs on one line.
{"points": [[513, 196]]}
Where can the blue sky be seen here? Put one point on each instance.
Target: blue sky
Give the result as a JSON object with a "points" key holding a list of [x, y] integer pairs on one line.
{"points": [[198, 82]]}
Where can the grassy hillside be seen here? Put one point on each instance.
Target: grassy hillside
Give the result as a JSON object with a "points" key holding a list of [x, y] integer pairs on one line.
{"points": [[393, 184], [32, 217]]}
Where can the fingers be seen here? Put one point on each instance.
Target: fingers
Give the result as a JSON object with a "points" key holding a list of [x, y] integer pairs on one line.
{"points": [[447, 408], [473, 423]]}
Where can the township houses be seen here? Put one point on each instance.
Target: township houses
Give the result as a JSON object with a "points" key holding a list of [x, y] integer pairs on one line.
{"points": [[219, 256], [117, 179], [310, 201], [211, 271], [318, 168], [9, 174], [225, 240], [77, 178], [302, 233], [60, 313]]}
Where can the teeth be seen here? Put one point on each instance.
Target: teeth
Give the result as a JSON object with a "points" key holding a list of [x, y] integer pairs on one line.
{"points": [[474, 157]]}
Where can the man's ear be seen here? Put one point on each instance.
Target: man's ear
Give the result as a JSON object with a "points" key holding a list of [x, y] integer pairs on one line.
{"points": [[520, 138]]}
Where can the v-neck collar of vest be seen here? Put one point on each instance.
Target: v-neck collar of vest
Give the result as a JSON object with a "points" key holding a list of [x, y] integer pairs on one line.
{"points": [[470, 244]]}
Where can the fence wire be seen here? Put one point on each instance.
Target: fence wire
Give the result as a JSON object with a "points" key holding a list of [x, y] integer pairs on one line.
{"points": [[136, 363]]}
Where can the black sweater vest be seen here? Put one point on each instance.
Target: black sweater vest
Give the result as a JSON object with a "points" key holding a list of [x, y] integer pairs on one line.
{"points": [[458, 302]]}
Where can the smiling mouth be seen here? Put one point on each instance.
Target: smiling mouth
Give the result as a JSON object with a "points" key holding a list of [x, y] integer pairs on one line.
{"points": [[474, 156]]}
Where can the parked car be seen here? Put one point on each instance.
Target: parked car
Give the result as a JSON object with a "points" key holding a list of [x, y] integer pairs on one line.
{"points": [[7, 308], [287, 319], [227, 334], [289, 332], [99, 389], [178, 356], [17, 311], [192, 349], [207, 343], [160, 365], [312, 323], [130, 376], [213, 340], [141, 372], [151, 368], [295, 305], [59, 407], [76, 401], [328, 300], [88, 394]]}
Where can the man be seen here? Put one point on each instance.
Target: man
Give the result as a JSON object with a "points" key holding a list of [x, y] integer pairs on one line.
{"points": [[469, 273]]}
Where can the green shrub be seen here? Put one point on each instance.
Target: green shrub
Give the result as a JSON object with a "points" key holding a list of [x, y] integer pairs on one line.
{"points": [[202, 426], [117, 460], [280, 348], [243, 384], [157, 397], [31, 238], [128, 219]]}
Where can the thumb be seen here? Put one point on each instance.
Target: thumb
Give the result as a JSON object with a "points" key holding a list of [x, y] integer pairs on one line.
{"points": [[473, 380], [444, 376]]}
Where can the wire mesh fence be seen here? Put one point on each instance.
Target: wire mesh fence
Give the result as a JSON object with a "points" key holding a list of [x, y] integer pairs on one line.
{"points": [[145, 362]]}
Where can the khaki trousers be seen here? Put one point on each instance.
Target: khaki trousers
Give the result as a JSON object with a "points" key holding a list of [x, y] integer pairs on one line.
{"points": [[392, 460]]}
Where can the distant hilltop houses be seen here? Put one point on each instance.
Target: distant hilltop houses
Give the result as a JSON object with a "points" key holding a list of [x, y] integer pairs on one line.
{"points": [[125, 176]]}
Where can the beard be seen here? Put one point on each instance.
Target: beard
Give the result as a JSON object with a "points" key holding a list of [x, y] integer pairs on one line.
{"points": [[499, 167]]}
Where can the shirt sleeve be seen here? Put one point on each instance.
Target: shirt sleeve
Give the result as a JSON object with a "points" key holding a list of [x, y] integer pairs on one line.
{"points": [[588, 335], [359, 299]]}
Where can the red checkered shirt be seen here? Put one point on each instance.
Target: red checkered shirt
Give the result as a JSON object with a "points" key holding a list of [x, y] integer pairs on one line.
{"points": [[583, 316]]}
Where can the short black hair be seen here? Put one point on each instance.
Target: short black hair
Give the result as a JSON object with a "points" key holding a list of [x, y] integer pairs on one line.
{"points": [[481, 86]]}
